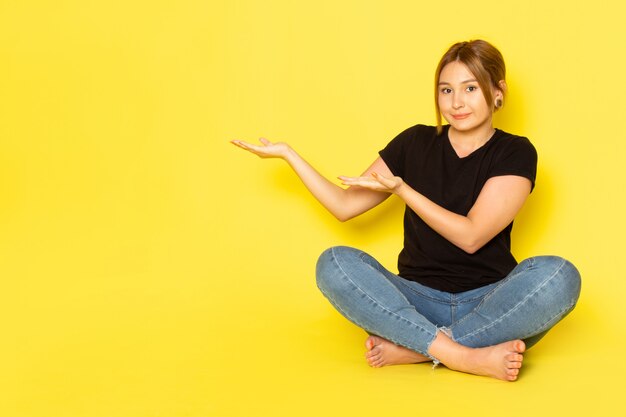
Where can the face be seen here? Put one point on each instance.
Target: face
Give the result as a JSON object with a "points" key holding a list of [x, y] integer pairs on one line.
{"points": [[461, 101]]}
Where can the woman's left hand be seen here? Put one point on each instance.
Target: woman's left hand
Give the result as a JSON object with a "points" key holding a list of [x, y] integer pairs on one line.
{"points": [[375, 182]]}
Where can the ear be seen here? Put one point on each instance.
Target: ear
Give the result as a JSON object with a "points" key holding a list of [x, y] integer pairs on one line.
{"points": [[498, 95], [501, 89]]}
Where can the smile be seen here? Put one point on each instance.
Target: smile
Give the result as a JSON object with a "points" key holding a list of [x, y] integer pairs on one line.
{"points": [[461, 116]]}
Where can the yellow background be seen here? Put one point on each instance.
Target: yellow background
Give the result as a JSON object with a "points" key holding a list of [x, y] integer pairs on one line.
{"points": [[150, 268]]}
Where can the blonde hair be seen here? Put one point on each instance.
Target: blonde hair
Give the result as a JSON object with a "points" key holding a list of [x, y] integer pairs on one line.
{"points": [[483, 60]]}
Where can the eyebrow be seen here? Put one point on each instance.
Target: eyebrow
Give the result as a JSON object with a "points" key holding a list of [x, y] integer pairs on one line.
{"points": [[462, 82]]}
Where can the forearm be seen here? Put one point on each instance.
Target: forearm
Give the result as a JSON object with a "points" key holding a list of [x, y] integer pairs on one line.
{"points": [[499, 201], [458, 229], [342, 203], [334, 198]]}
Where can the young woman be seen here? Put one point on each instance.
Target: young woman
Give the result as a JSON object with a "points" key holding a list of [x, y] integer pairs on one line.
{"points": [[460, 297]]}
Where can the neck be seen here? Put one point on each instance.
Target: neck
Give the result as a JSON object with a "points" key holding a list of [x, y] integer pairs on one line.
{"points": [[472, 139]]}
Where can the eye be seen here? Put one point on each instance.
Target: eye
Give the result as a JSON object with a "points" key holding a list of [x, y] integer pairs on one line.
{"points": [[446, 90], [471, 88]]}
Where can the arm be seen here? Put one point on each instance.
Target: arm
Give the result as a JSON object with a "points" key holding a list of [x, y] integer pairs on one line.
{"points": [[498, 202], [342, 203]]}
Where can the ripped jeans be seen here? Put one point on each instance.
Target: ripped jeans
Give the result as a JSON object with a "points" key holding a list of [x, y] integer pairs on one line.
{"points": [[535, 296]]}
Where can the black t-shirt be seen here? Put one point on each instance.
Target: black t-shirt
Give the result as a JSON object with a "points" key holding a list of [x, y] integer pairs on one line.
{"points": [[428, 163]]}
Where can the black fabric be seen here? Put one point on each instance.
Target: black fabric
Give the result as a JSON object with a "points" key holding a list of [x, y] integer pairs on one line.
{"points": [[428, 163]]}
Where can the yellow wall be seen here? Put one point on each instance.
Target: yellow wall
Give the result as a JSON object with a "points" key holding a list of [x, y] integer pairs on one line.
{"points": [[150, 268]]}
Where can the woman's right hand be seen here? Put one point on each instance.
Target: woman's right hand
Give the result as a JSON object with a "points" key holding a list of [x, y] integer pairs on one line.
{"points": [[267, 150]]}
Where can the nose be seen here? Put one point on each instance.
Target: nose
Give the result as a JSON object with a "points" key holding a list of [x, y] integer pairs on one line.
{"points": [[457, 101]]}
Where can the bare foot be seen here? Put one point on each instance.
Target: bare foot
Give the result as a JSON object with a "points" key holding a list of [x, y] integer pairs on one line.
{"points": [[501, 361], [381, 352]]}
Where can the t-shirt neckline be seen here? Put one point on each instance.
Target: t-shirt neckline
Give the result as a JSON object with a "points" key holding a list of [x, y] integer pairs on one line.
{"points": [[475, 151]]}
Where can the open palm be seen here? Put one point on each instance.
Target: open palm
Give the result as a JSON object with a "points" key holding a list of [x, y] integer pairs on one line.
{"points": [[374, 182], [266, 150]]}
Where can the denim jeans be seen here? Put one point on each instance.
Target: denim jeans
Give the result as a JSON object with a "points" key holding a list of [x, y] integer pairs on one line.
{"points": [[536, 295]]}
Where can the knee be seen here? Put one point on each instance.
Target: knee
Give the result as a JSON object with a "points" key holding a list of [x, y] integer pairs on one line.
{"points": [[564, 276], [330, 268]]}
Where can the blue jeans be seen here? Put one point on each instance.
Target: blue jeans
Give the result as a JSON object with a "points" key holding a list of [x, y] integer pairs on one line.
{"points": [[535, 296]]}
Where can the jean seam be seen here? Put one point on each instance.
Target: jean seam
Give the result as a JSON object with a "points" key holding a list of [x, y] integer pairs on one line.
{"points": [[376, 302], [363, 257], [352, 319], [502, 282], [545, 326], [485, 298], [510, 311], [530, 261], [419, 294], [471, 300], [343, 312]]}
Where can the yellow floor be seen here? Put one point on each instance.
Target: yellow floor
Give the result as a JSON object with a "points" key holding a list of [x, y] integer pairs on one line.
{"points": [[274, 358]]}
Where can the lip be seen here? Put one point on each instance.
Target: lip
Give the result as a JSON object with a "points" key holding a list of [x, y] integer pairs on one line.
{"points": [[461, 116]]}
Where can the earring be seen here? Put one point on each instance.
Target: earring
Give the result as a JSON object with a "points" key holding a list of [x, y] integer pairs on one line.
{"points": [[498, 103]]}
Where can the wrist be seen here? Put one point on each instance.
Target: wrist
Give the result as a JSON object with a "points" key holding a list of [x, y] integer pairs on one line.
{"points": [[289, 155], [401, 189]]}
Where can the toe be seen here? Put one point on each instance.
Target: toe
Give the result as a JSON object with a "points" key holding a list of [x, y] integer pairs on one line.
{"points": [[376, 351], [372, 342], [514, 357], [373, 355], [519, 346], [378, 363]]}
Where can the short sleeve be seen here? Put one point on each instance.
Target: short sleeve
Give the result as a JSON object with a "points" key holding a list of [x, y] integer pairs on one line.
{"points": [[394, 154], [517, 157]]}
